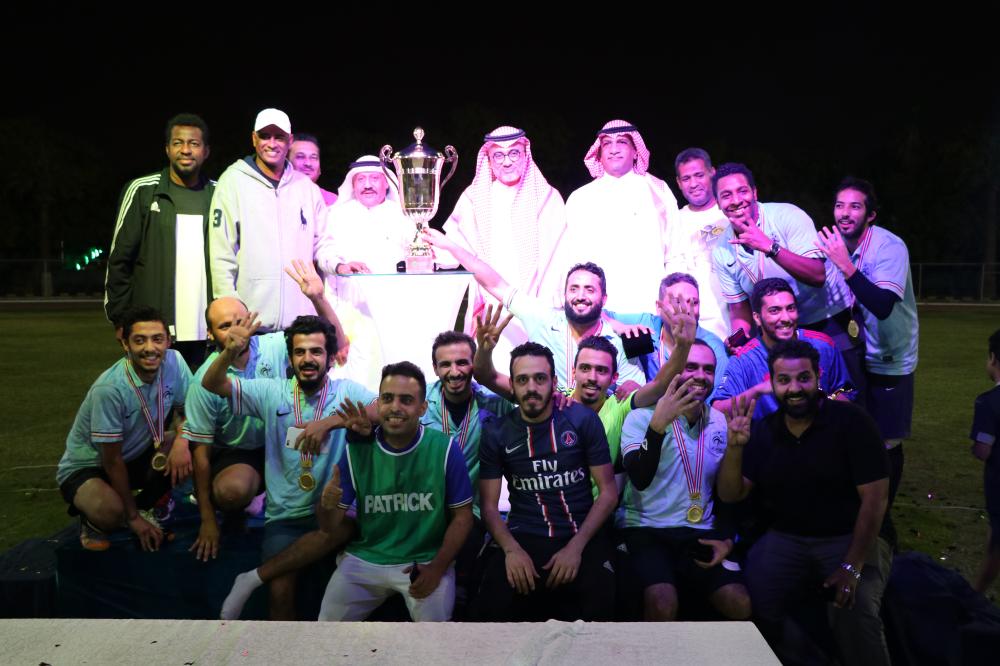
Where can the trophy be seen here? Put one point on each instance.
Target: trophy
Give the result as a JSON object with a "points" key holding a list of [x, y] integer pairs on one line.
{"points": [[417, 178]]}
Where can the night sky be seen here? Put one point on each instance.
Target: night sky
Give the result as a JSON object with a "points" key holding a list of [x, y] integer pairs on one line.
{"points": [[914, 110]]}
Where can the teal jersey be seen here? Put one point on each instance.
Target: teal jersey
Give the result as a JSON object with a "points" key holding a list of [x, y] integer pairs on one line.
{"points": [[112, 413], [210, 420], [272, 401], [666, 501], [484, 404]]}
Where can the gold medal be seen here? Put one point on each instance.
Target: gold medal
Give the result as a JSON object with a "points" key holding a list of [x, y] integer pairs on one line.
{"points": [[159, 461], [306, 481], [695, 513], [853, 330]]}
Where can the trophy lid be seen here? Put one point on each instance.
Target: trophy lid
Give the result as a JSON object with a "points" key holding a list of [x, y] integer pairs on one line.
{"points": [[419, 149]]}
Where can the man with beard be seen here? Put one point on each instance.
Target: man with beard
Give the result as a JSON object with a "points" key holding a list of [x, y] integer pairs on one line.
{"points": [[557, 564], [585, 294], [820, 472], [265, 215], [286, 406], [595, 370], [697, 230], [622, 219], [158, 249], [775, 311], [777, 240], [304, 156], [229, 449], [671, 453], [118, 434], [413, 501], [512, 219], [876, 266]]}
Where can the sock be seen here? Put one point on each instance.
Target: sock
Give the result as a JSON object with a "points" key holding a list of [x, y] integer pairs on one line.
{"points": [[243, 587]]}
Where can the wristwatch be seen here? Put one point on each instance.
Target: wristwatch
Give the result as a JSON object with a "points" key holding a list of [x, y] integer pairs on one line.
{"points": [[773, 252]]}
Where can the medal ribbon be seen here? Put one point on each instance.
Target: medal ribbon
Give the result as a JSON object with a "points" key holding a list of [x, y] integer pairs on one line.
{"points": [[317, 413], [155, 430], [463, 427], [693, 480]]}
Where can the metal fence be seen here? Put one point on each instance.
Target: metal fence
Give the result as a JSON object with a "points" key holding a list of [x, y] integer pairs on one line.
{"points": [[932, 281]]}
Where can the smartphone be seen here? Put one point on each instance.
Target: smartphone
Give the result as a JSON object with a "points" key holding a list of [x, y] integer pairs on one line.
{"points": [[738, 339], [639, 345]]}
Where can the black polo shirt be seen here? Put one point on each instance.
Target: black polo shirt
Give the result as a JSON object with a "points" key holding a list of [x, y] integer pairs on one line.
{"points": [[808, 484]]}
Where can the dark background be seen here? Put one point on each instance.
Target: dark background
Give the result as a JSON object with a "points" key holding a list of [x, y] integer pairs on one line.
{"points": [[909, 102]]}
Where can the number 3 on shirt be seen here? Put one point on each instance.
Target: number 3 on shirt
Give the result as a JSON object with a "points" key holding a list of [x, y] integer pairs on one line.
{"points": [[217, 218]]}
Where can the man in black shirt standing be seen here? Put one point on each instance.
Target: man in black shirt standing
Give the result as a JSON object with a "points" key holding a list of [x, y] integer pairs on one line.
{"points": [[985, 428], [821, 473]]}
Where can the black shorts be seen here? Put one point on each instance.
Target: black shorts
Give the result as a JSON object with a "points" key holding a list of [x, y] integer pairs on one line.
{"points": [[664, 555], [221, 457], [141, 476], [889, 400]]}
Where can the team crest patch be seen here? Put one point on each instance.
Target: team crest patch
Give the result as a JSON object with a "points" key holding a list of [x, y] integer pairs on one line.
{"points": [[265, 370], [568, 438], [718, 444]]}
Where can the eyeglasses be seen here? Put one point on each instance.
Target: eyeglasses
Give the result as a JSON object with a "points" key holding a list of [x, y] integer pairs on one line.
{"points": [[514, 154]]}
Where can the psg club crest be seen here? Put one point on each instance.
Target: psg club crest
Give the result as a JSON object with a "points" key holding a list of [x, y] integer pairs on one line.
{"points": [[568, 438]]}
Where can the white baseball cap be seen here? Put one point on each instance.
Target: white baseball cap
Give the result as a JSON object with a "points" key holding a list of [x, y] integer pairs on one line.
{"points": [[274, 117]]}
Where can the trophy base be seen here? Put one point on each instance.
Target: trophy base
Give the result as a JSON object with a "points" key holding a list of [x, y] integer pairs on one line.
{"points": [[424, 264]]}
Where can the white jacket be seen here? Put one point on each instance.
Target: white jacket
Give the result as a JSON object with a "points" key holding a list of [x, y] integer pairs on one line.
{"points": [[255, 232]]}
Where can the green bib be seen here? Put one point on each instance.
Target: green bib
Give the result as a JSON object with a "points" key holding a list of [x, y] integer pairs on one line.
{"points": [[402, 516]]}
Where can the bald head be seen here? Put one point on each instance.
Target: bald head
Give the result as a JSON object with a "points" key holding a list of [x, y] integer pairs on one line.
{"points": [[220, 315]]}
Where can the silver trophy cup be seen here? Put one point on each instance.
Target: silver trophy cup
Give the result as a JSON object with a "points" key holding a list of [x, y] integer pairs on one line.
{"points": [[416, 173]]}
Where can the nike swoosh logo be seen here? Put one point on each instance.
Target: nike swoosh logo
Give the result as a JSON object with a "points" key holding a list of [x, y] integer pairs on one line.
{"points": [[509, 450], [730, 265]]}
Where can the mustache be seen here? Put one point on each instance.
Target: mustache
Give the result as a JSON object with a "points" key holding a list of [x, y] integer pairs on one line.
{"points": [[309, 366], [532, 394]]}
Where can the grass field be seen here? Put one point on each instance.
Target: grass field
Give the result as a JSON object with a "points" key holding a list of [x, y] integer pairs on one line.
{"points": [[49, 356]]}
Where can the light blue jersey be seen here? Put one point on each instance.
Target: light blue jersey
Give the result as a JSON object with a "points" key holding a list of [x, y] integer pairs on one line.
{"points": [[666, 501], [210, 420], [739, 270], [548, 326], [891, 347], [112, 413], [272, 401], [485, 404], [651, 363]]}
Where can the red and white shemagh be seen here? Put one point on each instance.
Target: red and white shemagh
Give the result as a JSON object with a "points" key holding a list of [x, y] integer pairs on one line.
{"points": [[532, 193], [592, 160]]}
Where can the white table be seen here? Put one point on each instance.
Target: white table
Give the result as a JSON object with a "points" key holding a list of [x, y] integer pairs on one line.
{"points": [[153, 642], [408, 310]]}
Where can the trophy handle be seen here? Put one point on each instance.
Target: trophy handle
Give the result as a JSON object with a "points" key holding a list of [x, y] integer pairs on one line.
{"points": [[385, 157], [450, 155]]}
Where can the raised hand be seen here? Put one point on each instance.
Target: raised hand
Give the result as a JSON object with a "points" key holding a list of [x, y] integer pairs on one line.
{"points": [[676, 400], [678, 315], [738, 421], [332, 492], [750, 236], [355, 417], [489, 327], [832, 245], [305, 275], [241, 331]]}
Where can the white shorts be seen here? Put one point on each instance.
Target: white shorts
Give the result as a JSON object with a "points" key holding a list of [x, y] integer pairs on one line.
{"points": [[357, 588]]}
